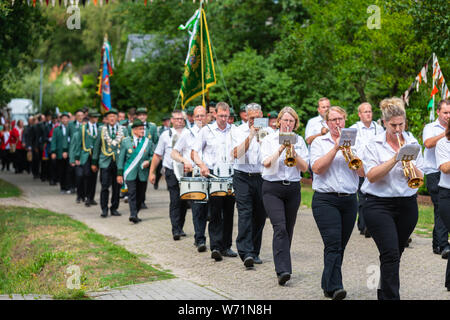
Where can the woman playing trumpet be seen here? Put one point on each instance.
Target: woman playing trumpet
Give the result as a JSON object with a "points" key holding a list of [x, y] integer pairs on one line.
{"points": [[334, 202], [390, 209], [281, 187]]}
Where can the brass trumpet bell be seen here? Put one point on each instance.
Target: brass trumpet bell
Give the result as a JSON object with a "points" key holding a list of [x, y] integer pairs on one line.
{"points": [[290, 160]]}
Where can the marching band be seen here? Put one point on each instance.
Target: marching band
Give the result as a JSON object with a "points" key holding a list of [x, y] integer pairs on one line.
{"points": [[212, 165]]}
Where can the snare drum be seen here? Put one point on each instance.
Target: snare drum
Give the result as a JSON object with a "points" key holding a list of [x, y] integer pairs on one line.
{"points": [[221, 187], [194, 188]]}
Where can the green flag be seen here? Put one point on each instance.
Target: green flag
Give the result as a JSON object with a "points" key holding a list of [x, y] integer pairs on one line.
{"points": [[199, 74], [430, 104]]}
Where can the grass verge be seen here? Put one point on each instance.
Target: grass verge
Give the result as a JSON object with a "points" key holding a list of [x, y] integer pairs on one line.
{"points": [[42, 252], [424, 225], [8, 190]]}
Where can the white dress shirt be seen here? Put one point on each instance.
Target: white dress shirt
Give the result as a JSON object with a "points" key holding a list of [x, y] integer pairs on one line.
{"points": [[339, 177], [92, 129], [431, 130], [443, 156], [365, 135], [165, 144], [394, 183], [278, 171], [186, 141], [314, 126], [250, 162], [214, 145]]}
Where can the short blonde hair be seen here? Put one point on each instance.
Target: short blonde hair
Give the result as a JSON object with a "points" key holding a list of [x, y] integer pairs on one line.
{"points": [[392, 107], [292, 112], [337, 109], [364, 104]]}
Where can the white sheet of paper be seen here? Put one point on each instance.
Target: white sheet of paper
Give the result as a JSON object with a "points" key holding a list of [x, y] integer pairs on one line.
{"points": [[261, 122], [348, 136], [408, 152]]}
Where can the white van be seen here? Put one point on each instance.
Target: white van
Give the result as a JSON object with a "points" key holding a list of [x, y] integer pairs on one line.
{"points": [[20, 109]]}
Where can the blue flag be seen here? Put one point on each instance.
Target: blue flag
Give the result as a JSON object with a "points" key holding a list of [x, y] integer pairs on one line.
{"points": [[106, 71]]}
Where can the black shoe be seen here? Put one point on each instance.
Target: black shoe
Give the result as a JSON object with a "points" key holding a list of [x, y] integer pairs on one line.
{"points": [[115, 213], [92, 202], [257, 260], [87, 204], [327, 294], [78, 200], [339, 294], [134, 219], [248, 262], [182, 233], [155, 186], [201, 247], [176, 237], [366, 233], [144, 206], [448, 288], [361, 232], [104, 214], [445, 252], [215, 254], [139, 219], [283, 278], [229, 253], [437, 250]]}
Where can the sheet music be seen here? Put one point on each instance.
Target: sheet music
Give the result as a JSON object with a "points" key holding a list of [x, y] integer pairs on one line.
{"points": [[348, 136], [408, 152]]}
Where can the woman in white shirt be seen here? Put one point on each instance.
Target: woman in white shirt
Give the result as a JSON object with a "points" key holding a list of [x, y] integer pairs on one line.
{"points": [[334, 203], [281, 189], [443, 162], [390, 209]]}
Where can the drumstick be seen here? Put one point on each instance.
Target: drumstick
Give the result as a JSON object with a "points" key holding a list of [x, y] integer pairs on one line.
{"points": [[213, 176]]}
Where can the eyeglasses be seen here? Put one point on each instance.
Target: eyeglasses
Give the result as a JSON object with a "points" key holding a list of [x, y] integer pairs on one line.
{"points": [[336, 119]]}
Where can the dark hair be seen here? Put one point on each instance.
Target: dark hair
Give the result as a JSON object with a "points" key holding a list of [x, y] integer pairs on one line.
{"points": [[443, 101]]}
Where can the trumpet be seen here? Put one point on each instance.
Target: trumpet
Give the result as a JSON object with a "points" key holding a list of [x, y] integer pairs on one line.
{"points": [[414, 181], [290, 160], [354, 163]]}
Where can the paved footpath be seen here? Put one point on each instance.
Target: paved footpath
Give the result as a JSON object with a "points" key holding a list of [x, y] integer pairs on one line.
{"points": [[200, 277]]}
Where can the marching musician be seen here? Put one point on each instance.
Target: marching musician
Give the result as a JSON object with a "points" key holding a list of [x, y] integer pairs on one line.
{"points": [[390, 208], [136, 152], [281, 188], [367, 130], [182, 152], [212, 143], [177, 207], [316, 127], [247, 184], [105, 155], [81, 149], [432, 133], [59, 151], [443, 163], [334, 203]]}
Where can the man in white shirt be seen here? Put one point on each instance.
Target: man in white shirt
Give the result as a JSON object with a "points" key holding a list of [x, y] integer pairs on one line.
{"points": [[214, 143], [247, 183], [177, 207], [432, 133], [367, 130], [317, 126], [182, 152]]}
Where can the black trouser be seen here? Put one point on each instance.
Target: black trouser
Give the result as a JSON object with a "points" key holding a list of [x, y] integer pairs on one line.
{"points": [[53, 171], [79, 182], [281, 202], [361, 199], [89, 179], [390, 221], [63, 173], [45, 169], [108, 177], [177, 207], [158, 173], [444, 213], [72, 178], [335, 216], [251, 213], [6, 158], [136, 191], [199, 219], [20, 160], [440, 232], [220, 225], [36, 162]]}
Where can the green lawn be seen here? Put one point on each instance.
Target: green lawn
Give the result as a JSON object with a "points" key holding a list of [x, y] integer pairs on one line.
{"points": [[38, 248], [8, 190], [424, 225]]}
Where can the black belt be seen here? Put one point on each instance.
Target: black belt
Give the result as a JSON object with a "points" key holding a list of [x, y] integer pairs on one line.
{"points": [[284, 182], [250, 174], [338, 194]]}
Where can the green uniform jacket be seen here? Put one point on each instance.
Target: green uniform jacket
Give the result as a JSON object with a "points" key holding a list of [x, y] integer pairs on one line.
{"points": [[60, 142], [104, 153], [73, 128], [126, 150], [82, 145]]}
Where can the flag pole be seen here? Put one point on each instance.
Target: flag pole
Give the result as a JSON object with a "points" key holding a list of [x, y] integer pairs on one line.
{"points": [[201, 52]]}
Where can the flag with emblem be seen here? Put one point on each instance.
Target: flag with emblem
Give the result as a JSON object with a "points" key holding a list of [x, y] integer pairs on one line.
{"points": [[199, 74], [106, 71]]}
